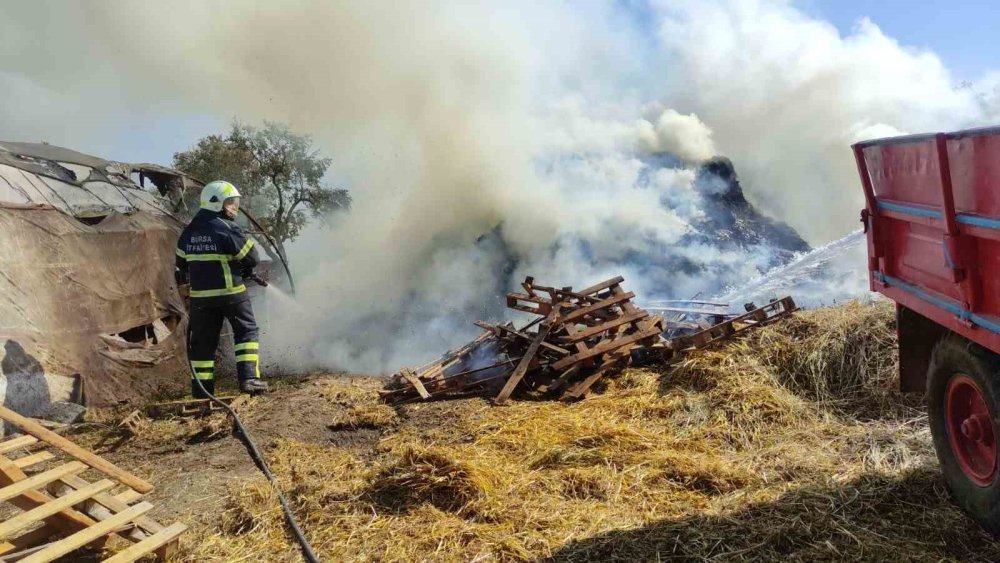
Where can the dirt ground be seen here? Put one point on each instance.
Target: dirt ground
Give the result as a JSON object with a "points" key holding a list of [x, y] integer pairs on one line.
{"points": [[191, 468]]}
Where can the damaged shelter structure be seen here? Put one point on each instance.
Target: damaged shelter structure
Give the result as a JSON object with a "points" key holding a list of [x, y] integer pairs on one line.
{"points": [[89, 311]]}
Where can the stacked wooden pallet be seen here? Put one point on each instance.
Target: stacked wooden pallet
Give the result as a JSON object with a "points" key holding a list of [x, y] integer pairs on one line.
{"points": [[58, 511], [577, 338]]}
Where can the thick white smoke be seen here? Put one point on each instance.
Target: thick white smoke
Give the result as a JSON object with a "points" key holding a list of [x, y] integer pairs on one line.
{"points": [[683, 135], [486, 141], [785, 95]]}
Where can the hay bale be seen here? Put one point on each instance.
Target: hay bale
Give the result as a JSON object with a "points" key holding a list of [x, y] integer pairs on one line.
{"points": [[844, 355]]}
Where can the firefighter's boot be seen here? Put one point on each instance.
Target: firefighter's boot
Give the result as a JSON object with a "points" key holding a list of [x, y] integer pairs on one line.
{"points": [[253, 386]]}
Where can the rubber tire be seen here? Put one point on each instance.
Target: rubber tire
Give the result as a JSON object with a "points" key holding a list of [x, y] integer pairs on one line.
{"points": [[954, 354]]}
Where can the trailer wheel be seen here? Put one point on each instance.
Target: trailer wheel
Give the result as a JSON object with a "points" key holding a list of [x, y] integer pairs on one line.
{"points": [[964, 396]]}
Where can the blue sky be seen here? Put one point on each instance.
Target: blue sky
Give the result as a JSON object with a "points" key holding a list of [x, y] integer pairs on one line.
{"points": [[964, 33]]}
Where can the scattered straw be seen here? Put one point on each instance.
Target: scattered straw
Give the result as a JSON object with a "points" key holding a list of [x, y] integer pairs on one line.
{"points": [[219, 424], [371, 416]]}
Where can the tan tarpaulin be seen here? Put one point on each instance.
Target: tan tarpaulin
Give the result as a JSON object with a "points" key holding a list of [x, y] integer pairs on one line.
{"points": [[89, 308]]}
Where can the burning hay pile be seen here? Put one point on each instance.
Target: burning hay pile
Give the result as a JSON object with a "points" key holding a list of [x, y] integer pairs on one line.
{"points": [[575, 339]]}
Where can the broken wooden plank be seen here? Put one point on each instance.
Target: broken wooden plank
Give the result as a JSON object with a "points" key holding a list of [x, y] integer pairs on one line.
{"points": [[751, 319], [605, 347], [566, 294], [562, 379], [542, 307], [591, 309], [517, 334], [487, 326], [528, 285], [150, 544], [595, 330], [580, 389], [461, 384], [627, 306], [728, 329], [530, 299], [415, 382], [83, 537], [93, 460], [653, 322], [601, 286], [458, 352], [522, 366]]}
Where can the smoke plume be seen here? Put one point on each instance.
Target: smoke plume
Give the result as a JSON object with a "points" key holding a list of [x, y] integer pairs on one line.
{"points": [[682, 135]]}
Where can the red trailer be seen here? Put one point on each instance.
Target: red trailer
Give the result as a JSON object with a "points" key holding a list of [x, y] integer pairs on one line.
{"points": [[932, 219]]}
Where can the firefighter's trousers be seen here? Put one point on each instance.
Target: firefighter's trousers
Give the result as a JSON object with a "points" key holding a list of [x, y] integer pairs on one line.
{"points": [[206, 324]]}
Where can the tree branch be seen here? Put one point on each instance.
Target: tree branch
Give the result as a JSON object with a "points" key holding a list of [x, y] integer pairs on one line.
{"points": [[298, 200]]}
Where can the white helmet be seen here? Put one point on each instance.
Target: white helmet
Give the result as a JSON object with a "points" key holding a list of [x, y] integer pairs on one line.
{"points": [[215, 193]]}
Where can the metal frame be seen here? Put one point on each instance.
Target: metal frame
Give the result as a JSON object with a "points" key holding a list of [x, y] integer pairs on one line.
{"points": [[959, 232]]}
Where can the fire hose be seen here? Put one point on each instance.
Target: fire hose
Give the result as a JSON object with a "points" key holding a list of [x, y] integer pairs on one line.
{"points": [[244, 436]]}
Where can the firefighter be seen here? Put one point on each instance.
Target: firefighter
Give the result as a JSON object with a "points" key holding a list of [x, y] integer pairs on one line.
{"points": [[214, 257]]}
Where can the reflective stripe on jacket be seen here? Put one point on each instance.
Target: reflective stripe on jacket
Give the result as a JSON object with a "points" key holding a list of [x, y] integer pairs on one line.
{"points": [[215, 255]]}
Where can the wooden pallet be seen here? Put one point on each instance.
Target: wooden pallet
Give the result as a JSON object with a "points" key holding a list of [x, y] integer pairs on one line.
{"points": [[597, 325], [673, 349], [188, 407], [754, 318], [580, 337], [62, 511]]}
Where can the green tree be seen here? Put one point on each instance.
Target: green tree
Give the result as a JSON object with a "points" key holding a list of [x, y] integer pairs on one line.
{"points": [[278, 172]]}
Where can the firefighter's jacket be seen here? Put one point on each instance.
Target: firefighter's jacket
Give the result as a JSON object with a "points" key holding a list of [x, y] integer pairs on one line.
{"points": [[214, 256]]}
